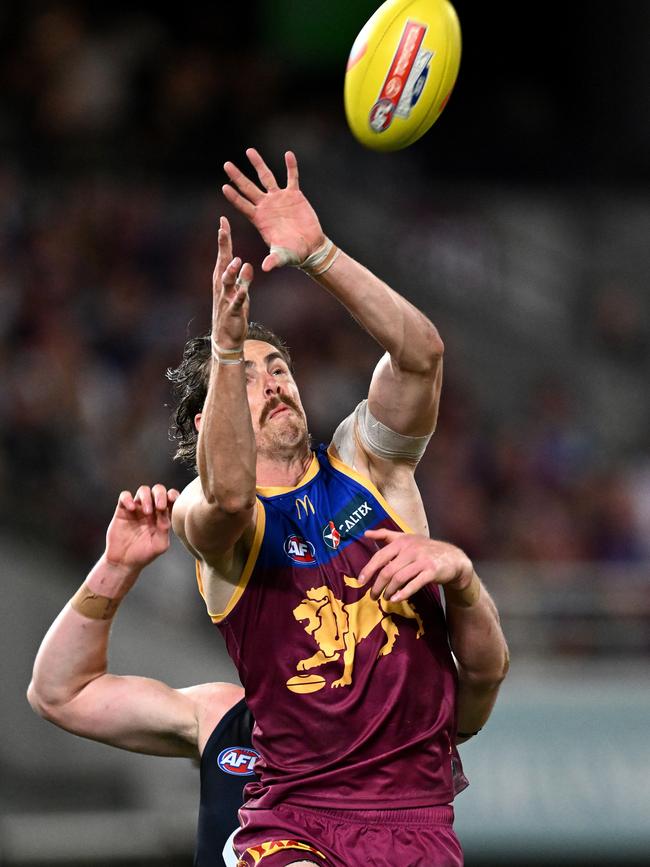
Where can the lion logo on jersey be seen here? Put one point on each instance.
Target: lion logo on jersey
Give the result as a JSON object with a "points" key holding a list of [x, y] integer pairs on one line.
{"points": [[338, 627]]}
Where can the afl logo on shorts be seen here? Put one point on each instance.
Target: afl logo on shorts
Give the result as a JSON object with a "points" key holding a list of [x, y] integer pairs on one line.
{"points": [[299, 550], [238, 761]]}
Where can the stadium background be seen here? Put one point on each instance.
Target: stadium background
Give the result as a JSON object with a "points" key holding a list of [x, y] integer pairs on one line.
{"points": [[520, 223]]}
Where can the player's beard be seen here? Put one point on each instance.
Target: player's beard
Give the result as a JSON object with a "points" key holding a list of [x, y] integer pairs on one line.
{"points": [[284, 435]]}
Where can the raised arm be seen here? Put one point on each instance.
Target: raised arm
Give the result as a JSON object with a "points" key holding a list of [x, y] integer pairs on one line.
{"points": [[215, 511], [405, 387], [404, 565], [71, 685]]}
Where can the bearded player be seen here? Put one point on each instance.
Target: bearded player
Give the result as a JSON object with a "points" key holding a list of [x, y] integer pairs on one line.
{"points": [[316, 567]]}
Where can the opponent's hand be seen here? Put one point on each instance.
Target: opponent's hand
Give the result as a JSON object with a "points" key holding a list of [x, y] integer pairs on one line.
{"points": [[230, 298], [406, 562], [283, 216], [139, 529]]}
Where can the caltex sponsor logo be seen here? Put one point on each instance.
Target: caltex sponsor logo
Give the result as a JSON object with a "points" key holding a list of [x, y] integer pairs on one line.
{"points": [[331, 535]]}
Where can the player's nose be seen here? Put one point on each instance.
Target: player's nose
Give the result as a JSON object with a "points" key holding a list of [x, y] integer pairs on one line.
{"points": [[271, 386]]}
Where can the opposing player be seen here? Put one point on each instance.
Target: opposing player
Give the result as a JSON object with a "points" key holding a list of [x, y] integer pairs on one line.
{"points": [[317, 567], [72, 688]]}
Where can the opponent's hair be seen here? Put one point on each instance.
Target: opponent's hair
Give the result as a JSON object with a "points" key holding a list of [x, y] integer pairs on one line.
{"points": [[190, 385]]}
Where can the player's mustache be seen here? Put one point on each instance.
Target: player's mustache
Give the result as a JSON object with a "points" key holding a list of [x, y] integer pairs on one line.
{"points": [[275, 403]]}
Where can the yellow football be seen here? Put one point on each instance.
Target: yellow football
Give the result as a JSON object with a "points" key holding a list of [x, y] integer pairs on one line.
{"points": [[401, 71]]}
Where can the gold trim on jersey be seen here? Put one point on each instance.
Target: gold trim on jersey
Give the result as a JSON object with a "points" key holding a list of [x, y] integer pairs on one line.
{"points": [[312, 470], [258, 536], [338, 464]]}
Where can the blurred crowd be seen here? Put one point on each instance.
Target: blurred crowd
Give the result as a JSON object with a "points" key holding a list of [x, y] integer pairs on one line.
{"points": [[106, 252], [101, 282]]}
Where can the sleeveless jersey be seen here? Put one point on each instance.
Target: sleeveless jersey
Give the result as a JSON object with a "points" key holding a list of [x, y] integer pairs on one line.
{"points": [[354, 699]]}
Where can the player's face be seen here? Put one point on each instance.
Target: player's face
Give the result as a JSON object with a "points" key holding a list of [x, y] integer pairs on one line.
{"points": [[278, 417]]}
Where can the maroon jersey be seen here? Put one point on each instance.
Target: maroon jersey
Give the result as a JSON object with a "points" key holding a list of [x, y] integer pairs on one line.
{"points": [[354, 699]]}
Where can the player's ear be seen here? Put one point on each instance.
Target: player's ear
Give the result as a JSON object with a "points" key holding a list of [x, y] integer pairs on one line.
{"points": [[197, 420]]}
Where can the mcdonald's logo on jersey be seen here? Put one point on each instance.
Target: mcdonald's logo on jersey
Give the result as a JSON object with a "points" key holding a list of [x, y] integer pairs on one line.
{"points": [[304, 504], [300, 550]]}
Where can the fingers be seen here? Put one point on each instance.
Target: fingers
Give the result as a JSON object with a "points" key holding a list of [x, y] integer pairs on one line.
{"points": [[224, 255], [292, 170], [236, 281], [397, 565], [229, 276], [243, 205], [407, 581], [144, 499], [383, 534], [411, 587], [270, 262], [246, 187], [394, 542], [125, 500], [149, 500], [264, 173]]}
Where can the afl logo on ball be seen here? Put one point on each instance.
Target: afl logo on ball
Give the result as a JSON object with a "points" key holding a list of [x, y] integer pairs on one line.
{"points": [[238, 761], [299, 550]]}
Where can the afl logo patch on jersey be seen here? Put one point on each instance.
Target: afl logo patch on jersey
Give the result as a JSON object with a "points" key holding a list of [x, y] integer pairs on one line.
{"points": [[238, 761], [300, 550]]}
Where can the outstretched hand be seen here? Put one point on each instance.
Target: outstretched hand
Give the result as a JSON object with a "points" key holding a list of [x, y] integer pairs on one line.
{"points": [[139, 529], [282, 215], [230, 297], [407, 562]]}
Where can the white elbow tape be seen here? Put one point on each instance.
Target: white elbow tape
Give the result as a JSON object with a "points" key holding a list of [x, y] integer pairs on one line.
{"points": [[384, 442]]}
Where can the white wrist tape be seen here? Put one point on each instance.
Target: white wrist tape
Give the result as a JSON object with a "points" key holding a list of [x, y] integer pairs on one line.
{"points": [[285, 256], [226, 356], [315, 264]]}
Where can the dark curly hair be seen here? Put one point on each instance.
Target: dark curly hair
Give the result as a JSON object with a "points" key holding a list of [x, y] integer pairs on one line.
{"points": [[190, 384]]}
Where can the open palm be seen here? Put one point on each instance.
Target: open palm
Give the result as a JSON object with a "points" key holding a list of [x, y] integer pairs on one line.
{"points": [[282, 215]]}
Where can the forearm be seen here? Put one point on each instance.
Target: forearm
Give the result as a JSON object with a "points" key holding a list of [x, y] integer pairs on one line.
{"points": [[480, 648], [74, 650], [401, 329], [226, 453]]}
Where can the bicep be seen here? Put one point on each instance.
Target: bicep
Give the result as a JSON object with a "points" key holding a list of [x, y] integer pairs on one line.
{"points": [[405, 401], [134, 713]]}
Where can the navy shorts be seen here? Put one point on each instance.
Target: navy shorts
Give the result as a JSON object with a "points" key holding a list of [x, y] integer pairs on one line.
{"points": [[418, 837]]}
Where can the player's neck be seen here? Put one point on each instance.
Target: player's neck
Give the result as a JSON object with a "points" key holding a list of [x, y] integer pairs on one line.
{"points": [[283, 470]]}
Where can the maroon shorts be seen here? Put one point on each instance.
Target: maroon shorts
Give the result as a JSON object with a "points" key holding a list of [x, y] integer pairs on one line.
{"points": [[418, 837]]}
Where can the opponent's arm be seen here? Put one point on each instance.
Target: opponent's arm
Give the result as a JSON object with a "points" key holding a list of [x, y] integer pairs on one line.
{"points": [[405, 387], [404, 565], [214, 512], [71, 686]]}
